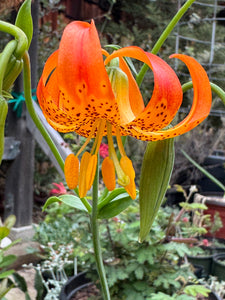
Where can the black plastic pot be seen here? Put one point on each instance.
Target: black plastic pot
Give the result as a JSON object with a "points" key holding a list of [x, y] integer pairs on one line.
{"points": [[213, 296], [218, 266], [198, 271], [73, 285], [204, 261]]}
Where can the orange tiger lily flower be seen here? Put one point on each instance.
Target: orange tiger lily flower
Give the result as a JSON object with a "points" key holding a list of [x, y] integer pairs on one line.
{"points": [[79, 91]]}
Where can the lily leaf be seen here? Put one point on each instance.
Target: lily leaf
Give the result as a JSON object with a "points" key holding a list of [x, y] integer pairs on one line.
{"points": [[115, 207], [8, 260], [6, 274], [70, 200], [155, 176], [24, 20], [111, 196]]}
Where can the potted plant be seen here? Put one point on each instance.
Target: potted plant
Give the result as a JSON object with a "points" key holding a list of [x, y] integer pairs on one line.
{"points": [[9, 278], [79, 286], [218, 266], [215, 203], [191, 222], [128, 267]]}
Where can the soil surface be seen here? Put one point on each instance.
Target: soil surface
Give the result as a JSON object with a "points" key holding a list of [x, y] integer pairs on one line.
{"points": [[90, 292]]}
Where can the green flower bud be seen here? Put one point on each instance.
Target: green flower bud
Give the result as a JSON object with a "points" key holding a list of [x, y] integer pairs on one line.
{"points": [[3, 115]]}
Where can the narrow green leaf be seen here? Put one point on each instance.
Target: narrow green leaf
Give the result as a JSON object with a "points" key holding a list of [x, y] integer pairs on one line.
{"points": [[8, 260], [115, 193], [114, 207], [49, 201], [4, 232], [206, 173], [27, 296], [20, 281], [155, 176], [11, 244], [24, 20], [70, 200], [6, 274], [38, 284]]}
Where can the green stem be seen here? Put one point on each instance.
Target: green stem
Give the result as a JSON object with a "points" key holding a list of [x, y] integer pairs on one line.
{"points": [[4, 60], [36, 120], [206, 173], [215, 88], [96, 238], [19, 35], [163, 37], [31, 110]]}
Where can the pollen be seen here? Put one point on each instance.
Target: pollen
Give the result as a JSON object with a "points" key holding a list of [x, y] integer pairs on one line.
{"points": [[71, 170], [108, 173], [91, 170], [83, 188]]}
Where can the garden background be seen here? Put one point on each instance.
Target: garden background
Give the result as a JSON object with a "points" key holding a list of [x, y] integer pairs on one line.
{"points": [[27, 173]]}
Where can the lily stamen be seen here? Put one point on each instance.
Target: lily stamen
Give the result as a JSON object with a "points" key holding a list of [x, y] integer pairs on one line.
{"points": [[120, 143], [123, 179]]}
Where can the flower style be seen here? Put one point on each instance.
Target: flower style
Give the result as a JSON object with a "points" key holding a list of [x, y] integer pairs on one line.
{"points": [[79, 91]]}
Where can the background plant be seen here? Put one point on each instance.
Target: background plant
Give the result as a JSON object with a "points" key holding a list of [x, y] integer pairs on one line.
{"points": [[9, 278], [136, 270]]}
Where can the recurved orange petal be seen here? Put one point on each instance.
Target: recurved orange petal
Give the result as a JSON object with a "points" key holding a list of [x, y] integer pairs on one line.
{"points": [[167, 94], [200, 107], [48, 96], [83, 79], [47, 90], [74, 89]]}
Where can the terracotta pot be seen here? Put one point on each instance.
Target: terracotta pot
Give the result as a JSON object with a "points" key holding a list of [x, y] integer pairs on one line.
{"points": [[214, 204]]}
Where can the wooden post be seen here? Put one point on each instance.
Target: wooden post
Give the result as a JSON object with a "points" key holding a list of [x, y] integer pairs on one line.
{"points": [[19, 180]]}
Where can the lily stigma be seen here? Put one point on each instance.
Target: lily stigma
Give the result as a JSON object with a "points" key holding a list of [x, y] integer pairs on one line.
{"points": [[79, 91]]}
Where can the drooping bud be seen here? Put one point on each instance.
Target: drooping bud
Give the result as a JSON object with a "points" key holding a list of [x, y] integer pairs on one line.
{"points": [[155, 175]]}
